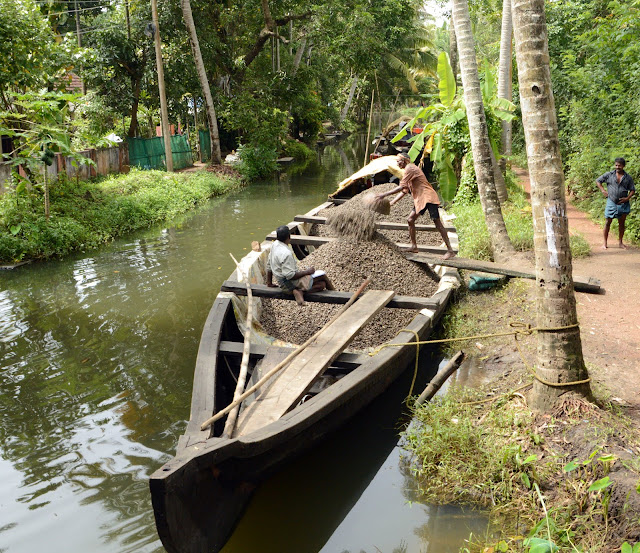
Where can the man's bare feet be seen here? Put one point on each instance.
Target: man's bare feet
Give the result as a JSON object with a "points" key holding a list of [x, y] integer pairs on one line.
{"points": [[449, 255], [413, 249], [604, 246], [623, 246], [299, 297]]}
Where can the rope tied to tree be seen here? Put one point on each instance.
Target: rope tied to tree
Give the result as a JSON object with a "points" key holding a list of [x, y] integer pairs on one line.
{"points": [[518, 329]]}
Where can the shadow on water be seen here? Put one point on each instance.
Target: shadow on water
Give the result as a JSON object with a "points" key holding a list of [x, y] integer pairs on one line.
{"points": [[355, 492]]}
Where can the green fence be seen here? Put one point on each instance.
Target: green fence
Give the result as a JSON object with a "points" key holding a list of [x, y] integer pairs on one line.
{"points": [[205, 145], [148, 153]]}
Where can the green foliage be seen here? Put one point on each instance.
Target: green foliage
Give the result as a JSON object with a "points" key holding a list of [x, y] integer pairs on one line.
{"points": [[256, 161], [298, 150], [85, 214], [445, 134], [30, 55], [456, 460], [594, 47]]}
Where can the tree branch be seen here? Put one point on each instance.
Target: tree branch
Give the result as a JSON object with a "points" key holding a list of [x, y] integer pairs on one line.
{"points": [[270, 29]]}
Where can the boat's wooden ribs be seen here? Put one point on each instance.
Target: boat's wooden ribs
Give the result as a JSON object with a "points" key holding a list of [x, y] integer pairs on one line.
{"points": [[318, 241], [258, 350], [381, 225], [326, 296]]}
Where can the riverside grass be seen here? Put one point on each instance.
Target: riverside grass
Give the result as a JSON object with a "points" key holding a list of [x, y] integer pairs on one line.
{"points": [[86, 214], [474, 236]]}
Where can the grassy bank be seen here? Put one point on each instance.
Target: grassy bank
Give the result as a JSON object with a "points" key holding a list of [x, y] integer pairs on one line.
{"points": [[564, 481], [85, 215], [474, 236]]}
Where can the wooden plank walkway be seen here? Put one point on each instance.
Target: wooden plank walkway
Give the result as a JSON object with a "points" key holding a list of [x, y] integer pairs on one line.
{"points": [[294, 380], [326, 296], [318, 241], [580, 284], [381, 225]]}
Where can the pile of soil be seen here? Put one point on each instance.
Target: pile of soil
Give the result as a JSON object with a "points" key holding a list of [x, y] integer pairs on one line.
{"points": [[399, 214], [347, 264]]}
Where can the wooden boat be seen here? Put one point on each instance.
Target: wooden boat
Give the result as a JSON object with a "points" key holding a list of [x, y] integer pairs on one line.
{"points": [[199, 496]]}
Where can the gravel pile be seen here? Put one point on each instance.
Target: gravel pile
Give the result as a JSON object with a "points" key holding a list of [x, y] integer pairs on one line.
{"points": [[399, 214], [347, 264]]}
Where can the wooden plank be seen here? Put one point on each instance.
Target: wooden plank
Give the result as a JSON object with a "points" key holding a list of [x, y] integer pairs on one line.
{"points": [[580, 284], [338, 201], [318, 241], [234, 349], [381, 225], [273, 355], [326, 296], [293, 381]]}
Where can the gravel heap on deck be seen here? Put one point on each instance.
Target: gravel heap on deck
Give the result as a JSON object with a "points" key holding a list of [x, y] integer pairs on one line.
{"points": [[399, 214], [347, 263]]}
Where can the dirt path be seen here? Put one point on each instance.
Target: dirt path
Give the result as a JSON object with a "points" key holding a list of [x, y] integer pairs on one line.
{"points": [[610, 323]]}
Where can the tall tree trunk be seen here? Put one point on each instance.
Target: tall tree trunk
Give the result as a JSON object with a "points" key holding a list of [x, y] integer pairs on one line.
{"points": [[216, 156], [479, 133], [345, 110], [559, 351], [299, 53], [505, 78], [135, 85], [453, 50]]}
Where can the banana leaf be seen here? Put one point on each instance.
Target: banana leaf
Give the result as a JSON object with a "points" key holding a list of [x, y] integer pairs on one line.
{"points": [[447, 84]]}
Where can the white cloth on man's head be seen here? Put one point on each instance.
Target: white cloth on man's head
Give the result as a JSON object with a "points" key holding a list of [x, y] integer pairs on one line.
{"points": [[281, 261]]}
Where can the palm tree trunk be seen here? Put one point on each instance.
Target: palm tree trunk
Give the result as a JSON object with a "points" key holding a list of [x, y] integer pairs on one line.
{"points": [[216, 156], [559, 351], [505, 77], [345, 110], [453, 50], [479, 133]]}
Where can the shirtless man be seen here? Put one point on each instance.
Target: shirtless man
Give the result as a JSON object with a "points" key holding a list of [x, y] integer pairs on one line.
{"points": [[424, 198], [282, 265]]}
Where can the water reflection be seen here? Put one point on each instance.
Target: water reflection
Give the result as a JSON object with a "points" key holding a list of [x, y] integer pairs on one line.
{"points": [[96, 365]]}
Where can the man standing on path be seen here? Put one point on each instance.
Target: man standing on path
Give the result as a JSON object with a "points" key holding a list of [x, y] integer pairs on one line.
{"points": [[619, 190], [424, 198]]}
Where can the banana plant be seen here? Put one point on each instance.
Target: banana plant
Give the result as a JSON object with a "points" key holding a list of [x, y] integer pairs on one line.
{"points": [[442, 116]]}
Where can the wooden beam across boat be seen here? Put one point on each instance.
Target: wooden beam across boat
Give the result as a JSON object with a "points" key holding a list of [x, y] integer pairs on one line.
{"points": [[381, 225], [590, 285], [294, 380], [326, 296], [234, 349], [318, 241]]}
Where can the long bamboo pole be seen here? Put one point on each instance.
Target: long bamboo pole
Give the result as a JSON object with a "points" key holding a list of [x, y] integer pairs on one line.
{"points": [[244, 365], [284, 362], [440, 378], [366, 151]]}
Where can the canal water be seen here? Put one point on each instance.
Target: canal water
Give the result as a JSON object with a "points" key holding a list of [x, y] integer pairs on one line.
{"points": [[96, 364]]}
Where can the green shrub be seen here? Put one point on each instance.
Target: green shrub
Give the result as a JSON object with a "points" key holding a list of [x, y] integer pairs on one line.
{"points": [[298, 150], [256, 161], [87, 214]]}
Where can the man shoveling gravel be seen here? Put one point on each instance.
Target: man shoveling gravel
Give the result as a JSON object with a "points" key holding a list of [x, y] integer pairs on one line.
{"points": [[282, 265], [424, 198]]}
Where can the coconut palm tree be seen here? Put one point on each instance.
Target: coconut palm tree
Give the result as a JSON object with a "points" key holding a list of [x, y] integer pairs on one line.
{"points": [[560, 358], [479, 134], [504, 75], [216, 156]]}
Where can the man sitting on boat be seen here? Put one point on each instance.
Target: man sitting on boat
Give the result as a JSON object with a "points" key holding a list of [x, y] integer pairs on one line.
{"points": [[424, 198], [282, 264]]}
